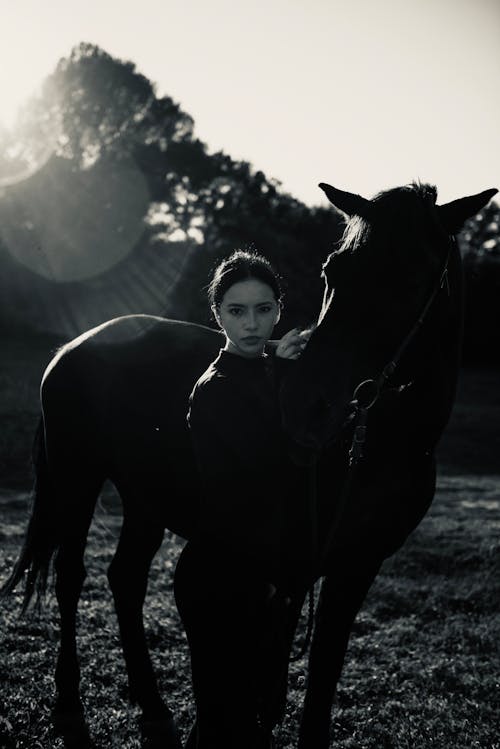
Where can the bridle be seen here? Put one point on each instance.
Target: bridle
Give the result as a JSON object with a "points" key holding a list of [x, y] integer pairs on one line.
{"points": [[365, 396], [362, 403]]}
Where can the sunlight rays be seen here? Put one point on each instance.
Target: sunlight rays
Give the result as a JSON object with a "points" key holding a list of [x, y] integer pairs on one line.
{"points": [[76, 251], [67, 225], [141, 283]]}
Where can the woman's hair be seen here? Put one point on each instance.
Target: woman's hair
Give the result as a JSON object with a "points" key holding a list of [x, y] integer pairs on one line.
{"points": [[242, 265]]}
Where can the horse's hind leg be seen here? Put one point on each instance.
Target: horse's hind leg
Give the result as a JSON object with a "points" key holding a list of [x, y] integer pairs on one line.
{"points": [[140, 539], [70, 574], [342, 595]]}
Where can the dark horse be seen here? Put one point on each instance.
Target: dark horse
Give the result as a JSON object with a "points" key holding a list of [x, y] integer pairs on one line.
{"points": [[378, 377], [114, 406]]}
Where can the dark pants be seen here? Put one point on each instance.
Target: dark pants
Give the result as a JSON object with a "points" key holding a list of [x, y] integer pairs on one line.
{"points": [[239, 635]]}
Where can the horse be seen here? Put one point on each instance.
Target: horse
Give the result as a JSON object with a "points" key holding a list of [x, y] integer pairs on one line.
{"points": [[370, 397], [114, 404]]}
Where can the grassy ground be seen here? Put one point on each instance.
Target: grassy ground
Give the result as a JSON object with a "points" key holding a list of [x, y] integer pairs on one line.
{"points": [[422, 666], [421, 670]]}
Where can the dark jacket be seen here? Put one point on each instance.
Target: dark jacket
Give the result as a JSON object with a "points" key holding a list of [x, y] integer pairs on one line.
{"points": [[255, 498]]}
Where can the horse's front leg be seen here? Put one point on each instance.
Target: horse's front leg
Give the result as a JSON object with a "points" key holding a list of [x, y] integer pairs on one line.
{"points": [[341, 597], [128, 578]]}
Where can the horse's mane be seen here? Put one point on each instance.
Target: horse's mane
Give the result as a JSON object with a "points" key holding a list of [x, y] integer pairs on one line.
{"points": [[400, 207], [400, 213]]}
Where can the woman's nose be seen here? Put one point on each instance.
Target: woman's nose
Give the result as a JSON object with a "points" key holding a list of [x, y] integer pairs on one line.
{"points": [[251, 321]]}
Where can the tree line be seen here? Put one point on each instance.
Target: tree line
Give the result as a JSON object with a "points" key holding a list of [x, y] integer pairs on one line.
{"points": [[95, 108]]}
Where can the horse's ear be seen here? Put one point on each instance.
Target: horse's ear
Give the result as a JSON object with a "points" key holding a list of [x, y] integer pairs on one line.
{"points": [[348, 202], [453, 215]]}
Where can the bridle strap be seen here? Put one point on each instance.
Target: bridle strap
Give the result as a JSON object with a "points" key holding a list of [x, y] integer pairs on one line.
{"points": [[377, 384], [360, 418], [361, 410], [443, 280]]}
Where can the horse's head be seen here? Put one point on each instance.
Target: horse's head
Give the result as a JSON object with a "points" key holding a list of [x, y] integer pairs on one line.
{"points": [[391, 260]]}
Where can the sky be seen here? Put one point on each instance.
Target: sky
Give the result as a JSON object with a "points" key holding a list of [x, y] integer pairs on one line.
{"points": [[365, 95]]}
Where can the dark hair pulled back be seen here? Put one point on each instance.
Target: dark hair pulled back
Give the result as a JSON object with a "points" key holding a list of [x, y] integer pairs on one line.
{"points": [[242, 265]]}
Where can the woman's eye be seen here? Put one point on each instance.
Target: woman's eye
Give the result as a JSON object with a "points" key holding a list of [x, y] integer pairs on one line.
{"points": [[265, 309], [235, 312]]}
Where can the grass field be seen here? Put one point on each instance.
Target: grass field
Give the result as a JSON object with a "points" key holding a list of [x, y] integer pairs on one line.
{"points": [[422, 670]]}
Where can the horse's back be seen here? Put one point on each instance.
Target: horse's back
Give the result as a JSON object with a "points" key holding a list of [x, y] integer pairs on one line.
{"points": [[120, 393], [124, 338]]}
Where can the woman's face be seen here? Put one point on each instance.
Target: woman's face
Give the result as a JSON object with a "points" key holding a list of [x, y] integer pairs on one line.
{"points": [[247, 314]]}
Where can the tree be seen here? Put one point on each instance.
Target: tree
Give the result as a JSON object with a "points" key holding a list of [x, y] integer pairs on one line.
{"points": [[480, 247], [96, 113]]}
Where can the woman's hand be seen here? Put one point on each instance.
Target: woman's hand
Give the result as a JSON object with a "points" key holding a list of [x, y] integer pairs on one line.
{"points": [[293, 343]]}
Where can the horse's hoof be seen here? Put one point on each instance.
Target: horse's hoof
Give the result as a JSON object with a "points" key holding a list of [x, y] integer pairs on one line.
{"points": [[314, 740], [192, 738], [265, 741], [159, 734], [73, 729]]}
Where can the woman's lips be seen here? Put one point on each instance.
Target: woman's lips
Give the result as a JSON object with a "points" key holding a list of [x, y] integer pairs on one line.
{"points": [[251, 339]]}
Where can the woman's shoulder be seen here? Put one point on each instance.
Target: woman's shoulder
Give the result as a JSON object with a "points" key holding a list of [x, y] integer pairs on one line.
{"points": [[209, 378], [212, 401], [212, 382]]}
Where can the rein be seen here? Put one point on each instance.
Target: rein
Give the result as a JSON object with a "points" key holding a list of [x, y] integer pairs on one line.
{"points": [[361, 403]]}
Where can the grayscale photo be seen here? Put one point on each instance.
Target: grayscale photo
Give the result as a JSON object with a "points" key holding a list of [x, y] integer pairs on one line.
{"points": [[249, 378]]}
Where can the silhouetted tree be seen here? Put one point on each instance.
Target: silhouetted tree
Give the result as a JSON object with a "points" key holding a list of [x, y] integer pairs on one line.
{"points": [[480, 238], [480, 246], [95, 111], [96, 108]]}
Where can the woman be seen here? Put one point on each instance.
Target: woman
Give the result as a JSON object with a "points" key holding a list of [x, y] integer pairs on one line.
{"points": [[235, 579]]}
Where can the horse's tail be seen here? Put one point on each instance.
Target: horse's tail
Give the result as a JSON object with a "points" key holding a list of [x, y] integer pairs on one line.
{"points": [[40, 542]]}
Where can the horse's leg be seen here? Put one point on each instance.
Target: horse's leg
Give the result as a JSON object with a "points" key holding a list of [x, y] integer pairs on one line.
{"points": [[140, 539], [342, 595], [280, 624], [69, 477], [68, 716]]}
